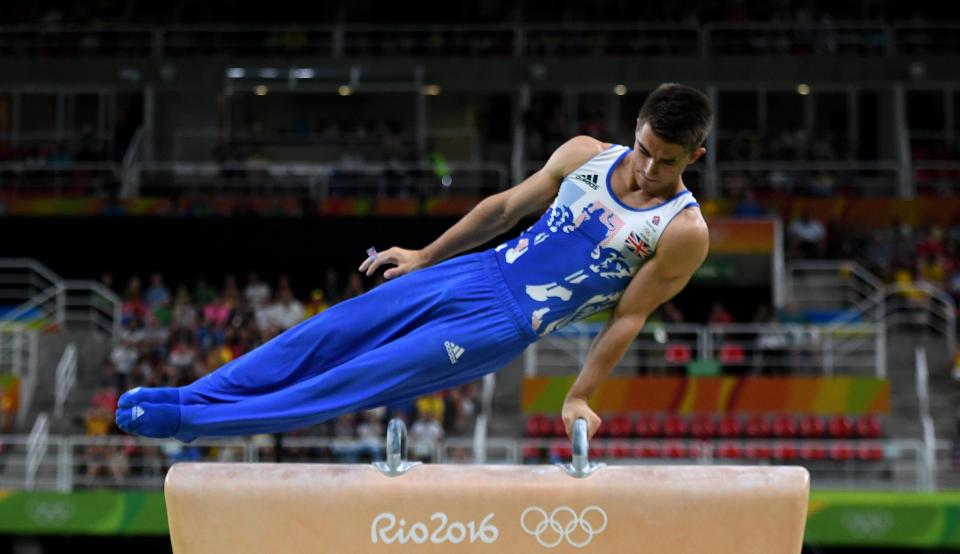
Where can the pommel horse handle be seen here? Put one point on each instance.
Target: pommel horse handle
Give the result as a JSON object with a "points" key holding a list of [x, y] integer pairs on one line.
{"points": [[581, 466], [396, 463]]}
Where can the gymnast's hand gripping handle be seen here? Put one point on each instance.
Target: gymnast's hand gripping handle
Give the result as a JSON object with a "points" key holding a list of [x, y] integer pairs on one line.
{"points": [[396, 463], [581, 466]]}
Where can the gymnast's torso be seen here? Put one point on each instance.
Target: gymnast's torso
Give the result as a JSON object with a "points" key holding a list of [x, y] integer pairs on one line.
{"points": [[578, 258]]}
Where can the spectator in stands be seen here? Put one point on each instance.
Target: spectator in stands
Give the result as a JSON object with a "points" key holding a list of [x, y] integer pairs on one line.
{"points": [[425, 435], [133, 305], [316, 305], [719, 315], [158, 294], [807, 236], [286, 311], [183, 354], [331, 286], [203, 293], [354, 287], [370, 434], [184, 313], [124, 357], [344, 448], [747, 206], [256, 291]]}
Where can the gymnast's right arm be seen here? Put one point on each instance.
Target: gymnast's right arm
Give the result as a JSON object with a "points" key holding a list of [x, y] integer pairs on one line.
{"points": [[495, 214]]}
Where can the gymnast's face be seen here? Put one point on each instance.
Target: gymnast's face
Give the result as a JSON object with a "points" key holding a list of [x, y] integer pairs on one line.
{"points": [[657, 165]]}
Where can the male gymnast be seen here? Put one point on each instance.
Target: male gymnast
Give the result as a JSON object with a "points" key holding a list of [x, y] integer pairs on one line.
{"points": [[620, 231]]}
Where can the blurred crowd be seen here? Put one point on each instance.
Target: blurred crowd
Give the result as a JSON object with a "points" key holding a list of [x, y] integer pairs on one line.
{"points": [[172, 336]]}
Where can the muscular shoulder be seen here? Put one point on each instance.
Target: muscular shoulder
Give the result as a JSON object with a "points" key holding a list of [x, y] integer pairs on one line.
{"points": [[685, 242], [574, 153]]}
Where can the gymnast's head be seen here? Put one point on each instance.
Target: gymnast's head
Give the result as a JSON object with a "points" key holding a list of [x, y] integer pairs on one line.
{"points": [[672, 126]]}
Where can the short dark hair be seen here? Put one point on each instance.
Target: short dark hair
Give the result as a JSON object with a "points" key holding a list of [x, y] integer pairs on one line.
{"points": [[678, 114]]}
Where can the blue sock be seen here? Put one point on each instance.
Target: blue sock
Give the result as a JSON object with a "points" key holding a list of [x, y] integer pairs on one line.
{"points": [[152, 395], [157, 421]]}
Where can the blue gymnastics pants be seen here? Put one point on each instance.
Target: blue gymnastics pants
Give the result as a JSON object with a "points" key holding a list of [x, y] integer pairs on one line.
{"points": [[426, 331]]}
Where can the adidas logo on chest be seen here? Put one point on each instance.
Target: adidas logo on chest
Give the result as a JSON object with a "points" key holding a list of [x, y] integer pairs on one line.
{"points": [[590, 179]]}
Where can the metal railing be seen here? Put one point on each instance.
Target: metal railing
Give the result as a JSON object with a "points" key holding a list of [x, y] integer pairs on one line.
{"points": [[66, 376], [37, 444], [479, 40], [772, 348], [838, 285], [321, 181], [133, 462], [46, 178]]}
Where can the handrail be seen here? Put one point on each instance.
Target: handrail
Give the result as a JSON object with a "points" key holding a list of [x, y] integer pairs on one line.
{"points": [[37, 448], [66, 376], [929, 433]]}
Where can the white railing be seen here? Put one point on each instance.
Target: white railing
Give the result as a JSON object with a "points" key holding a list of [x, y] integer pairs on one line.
{"points": [[489, 40], [56, 177], [21, 280], [91, 305], [926, 421], [66, 376], [37, 444], [126, 461], [920, 304], [317, 180], [835, 285], [846, 349]]}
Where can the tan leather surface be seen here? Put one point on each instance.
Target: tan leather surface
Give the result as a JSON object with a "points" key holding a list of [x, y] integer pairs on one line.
{"points": [[341, 509]]}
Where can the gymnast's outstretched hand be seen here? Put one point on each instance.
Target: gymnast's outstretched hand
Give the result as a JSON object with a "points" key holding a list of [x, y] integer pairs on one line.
{"points": [[405, 260], [574, 408]]}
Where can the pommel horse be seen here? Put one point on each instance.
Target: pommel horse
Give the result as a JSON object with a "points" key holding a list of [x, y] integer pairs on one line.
{"points": [[396, 506]]}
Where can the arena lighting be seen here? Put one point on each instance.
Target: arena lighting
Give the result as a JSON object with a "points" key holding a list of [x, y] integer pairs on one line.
{"points": [[261, 90], [803, 89], [620, 90], [446, 180], [269, 73], [236, 72], [431, 90], [303, 73], [344, 90]]}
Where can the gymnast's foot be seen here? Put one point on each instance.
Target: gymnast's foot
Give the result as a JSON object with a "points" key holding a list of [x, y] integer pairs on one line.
{"points": [[152, 395], [157, 421]]}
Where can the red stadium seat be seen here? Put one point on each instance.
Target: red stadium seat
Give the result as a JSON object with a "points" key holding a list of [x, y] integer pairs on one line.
{"points": [[870, 452], [813, 451], [732, 353], [785, 427], [868, 427], [561, 449], [538, 425], [648, 426], [531, 451], [812, 427], [785, 451], [841, 427], [620, 449], [558, 429], [676, 449], [674, 426], [729, 427], [758, 427], [841, 452], [703, 427], [619, 427], [678, 353], [758, 452], [729, 450], [648, 449]]}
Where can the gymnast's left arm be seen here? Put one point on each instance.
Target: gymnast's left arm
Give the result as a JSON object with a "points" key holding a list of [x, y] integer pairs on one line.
{"points": [[682, 249]]}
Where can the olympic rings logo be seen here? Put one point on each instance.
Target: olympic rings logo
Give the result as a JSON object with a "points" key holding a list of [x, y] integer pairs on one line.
{"points": [[564, 523]]}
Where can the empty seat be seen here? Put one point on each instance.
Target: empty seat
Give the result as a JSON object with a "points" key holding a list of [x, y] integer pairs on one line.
{"points": [[868, 427], [812, 427]]}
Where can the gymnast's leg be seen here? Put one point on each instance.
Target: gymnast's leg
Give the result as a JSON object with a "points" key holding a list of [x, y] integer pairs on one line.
{"points": [[329, 339], [439, 355]]}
